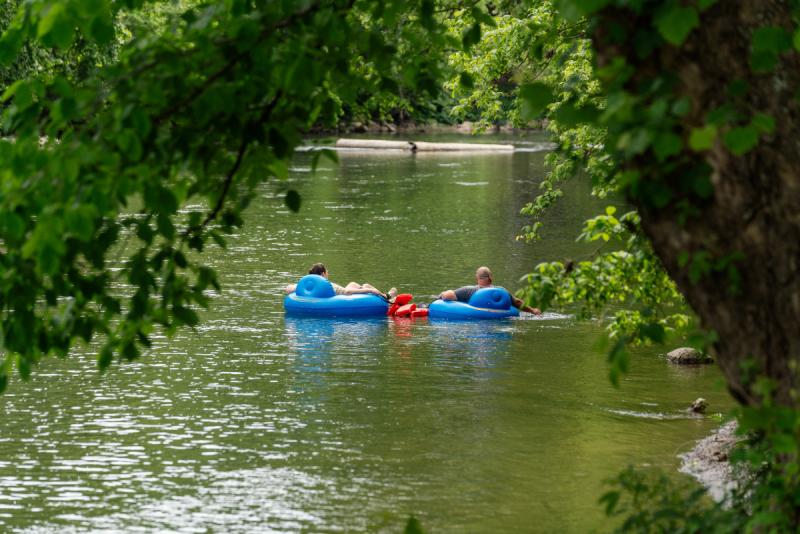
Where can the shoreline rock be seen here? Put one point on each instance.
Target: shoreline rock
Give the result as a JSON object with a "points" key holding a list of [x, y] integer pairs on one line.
{"points": [[708, 462]]}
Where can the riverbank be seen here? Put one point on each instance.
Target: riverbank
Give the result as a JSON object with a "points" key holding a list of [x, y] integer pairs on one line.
{"points": [[709, 462], [466, 127]]}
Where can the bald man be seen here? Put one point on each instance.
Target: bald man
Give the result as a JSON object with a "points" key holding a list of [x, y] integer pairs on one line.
{"points": [[484, 278]]}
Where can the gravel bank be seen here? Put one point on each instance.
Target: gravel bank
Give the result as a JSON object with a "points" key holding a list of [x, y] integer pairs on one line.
{"points": [[708, 461]]}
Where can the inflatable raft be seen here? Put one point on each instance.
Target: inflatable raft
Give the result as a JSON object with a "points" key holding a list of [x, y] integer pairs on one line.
{"points": [[314, 295], [487, 303]]}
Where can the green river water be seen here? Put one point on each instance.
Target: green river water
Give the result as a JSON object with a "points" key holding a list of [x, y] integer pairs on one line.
{"points": [[257, 422]]}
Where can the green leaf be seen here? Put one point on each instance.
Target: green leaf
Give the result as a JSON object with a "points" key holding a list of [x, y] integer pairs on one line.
{"points": [[771, 39], [185, 315], [535, 98], [737, 88], [590, 6], [762, 61], [482, 16], [676, 22], [322, 153], [426, 12], [165, 226], [666, 145], [654, 332], [80, 221], [129, 143], [102, 30], [702, 187], [763, 123], [279, 169], [570, 116], [703, 138], [466, 81], [130, 351], [91, 8], [45, 245], [12, 89], [104, 358], [471, 35], [741, 140], [12, 226], [618, 358], [569, 9], [23, 95], [635, 141], [180, 259], [293, 200], [610, 499], [56, 28], [10, 43], [24, 366], [413, 526], [784, 444]]}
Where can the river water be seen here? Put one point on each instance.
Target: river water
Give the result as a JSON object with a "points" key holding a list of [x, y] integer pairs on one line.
{"points": [[257, 422]]}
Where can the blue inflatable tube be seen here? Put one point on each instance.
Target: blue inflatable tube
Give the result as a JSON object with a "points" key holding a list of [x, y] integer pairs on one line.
{"points": [[315, 296], [487, 303]]}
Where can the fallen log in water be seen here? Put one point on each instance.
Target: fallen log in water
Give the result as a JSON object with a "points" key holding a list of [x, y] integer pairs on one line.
{"points": [[374, 143], [420, 146]]}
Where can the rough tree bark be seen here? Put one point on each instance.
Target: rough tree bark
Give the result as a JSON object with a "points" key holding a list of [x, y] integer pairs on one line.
{"points": [[755, 206]]}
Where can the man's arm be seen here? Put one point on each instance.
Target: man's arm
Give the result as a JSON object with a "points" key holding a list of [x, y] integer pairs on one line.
{"points": [[521, 305], [448, 295], [290, 288]]}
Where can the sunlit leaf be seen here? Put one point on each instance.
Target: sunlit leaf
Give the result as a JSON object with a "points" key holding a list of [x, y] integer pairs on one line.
{"points": [[703, 138]]}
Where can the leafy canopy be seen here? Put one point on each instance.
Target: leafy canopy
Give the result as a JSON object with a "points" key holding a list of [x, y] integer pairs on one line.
{"points": [[114, 177]]}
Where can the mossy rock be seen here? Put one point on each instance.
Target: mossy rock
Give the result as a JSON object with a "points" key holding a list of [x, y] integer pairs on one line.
{"points": [[688, 356]]}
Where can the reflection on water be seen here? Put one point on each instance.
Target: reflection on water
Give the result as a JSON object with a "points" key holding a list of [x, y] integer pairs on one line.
{"points": [[256, 422], [314, 337]]}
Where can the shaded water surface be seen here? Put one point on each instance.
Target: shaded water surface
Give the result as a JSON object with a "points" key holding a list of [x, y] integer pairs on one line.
{"points": [[258, 422]]}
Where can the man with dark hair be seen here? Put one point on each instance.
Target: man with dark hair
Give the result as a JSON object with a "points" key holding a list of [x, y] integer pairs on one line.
{"points": [[484, 278], [353, 288]]}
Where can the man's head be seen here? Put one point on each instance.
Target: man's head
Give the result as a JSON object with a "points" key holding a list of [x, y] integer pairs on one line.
{"points": [[484, 276], [319, 269]]}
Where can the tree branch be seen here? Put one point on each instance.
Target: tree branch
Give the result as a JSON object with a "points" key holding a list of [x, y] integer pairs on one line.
{"points": [[226, 185]]}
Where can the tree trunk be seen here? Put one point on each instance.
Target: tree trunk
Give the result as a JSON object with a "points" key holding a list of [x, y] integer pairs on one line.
{"points": [[754, 209]]}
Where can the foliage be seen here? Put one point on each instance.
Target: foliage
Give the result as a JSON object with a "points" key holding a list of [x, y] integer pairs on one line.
{"points": [[763, 498], [630, 278], [634, 131], [413, 526], [675, 152], [78, 62], [650, 501], [108, 192]]}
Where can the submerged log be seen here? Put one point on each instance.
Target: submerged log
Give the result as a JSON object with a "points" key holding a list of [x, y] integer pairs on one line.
{"points": [[421, 146]]}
